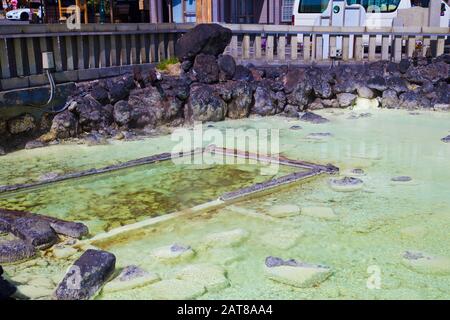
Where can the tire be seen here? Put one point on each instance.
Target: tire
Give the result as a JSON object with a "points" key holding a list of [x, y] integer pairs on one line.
{"points": [[24, 16]]}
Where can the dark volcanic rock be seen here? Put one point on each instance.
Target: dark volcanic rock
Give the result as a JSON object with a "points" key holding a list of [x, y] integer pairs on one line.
{"points": [[227, 66], [64, 125], [34, 144], [365, 92], [34, 231], [446, 139], [122, 113], [346, 99], [2, 151], [404, 65], [6, 288], [242, 74], [21, 124], [100, 94], [205, 104], [14, 250], [397, 84], [377, 83], [70, 229], [206, 68], [390, 99], [313, 118], [92, 115], [265, 102], [413, 100], [401, 179], [241, 100], [86, 276], [209, 39]]}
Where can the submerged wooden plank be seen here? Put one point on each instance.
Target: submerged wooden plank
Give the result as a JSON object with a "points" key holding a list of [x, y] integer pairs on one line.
{"points": [[91, 172]]}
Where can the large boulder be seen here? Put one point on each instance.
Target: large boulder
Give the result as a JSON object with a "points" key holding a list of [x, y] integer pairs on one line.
{"points": [[13, 249], [21, 124], [227, 66], [346, 99], [412, 100], [92, 115], [86, 276], [242, 74], [205, 104], [265, 102], [206, 68], [390, 99], [122, 113], [398, 84], [64, 125], [36, 232], [240, 101], [211, 39]]}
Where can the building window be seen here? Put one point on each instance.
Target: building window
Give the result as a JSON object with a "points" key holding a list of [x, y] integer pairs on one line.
{"points": [[378, 5], [286, 10], [313, 6]]}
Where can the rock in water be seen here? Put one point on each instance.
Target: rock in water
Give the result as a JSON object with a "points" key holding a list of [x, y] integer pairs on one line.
{"points": [[70, 229], [295, 273], [425, 263], [14, 250], [401, 179], [227, 238], [131, 277], [313, 118], [173, 253], [210, 276], [6, 288], [446, 139], [86, 276], [209, 39], [176, 289], [346, 184], [34, 231]]}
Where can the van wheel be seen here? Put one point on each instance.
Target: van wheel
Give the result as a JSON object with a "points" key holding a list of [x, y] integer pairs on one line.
{"points": [[24, 16]]}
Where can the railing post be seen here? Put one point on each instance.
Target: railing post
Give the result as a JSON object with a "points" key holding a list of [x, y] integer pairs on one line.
{"points": [[307, 48], [411, 45], [123, 50], [143, 52], [133, 50], [258, 47], [18, 56], [171, 46], [398, 48], [113, 50], [372, 47], [269, 47], [57, 53], [281, 51], [80, 52], [4, 60], [319, 47], [102, 53], [152, 48], [345, 48], [246, 47], [31, 56], [234, 46], [333, 44], [440, 46], [358, 52], [161, 47], [294, 47], [69, 53], [385, 44]]}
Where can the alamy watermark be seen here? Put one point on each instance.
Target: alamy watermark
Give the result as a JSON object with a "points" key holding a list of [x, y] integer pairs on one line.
{"points": [[263, 144]]}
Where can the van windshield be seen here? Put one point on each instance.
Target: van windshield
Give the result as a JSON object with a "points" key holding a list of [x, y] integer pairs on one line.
{"points": [[312, 6], [377, 5]]}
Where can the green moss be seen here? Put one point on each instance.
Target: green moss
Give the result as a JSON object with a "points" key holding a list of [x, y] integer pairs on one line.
{"points": [[165, 63]]}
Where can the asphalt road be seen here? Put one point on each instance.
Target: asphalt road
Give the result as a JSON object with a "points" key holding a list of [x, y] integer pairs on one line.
{"points": [[12, 22]]}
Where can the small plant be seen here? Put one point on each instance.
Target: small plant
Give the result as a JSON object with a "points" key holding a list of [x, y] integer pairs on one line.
{"points": [[162, 65]]}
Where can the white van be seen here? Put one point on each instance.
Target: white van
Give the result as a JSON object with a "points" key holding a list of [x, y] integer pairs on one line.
{"points": [[363, 13]]}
